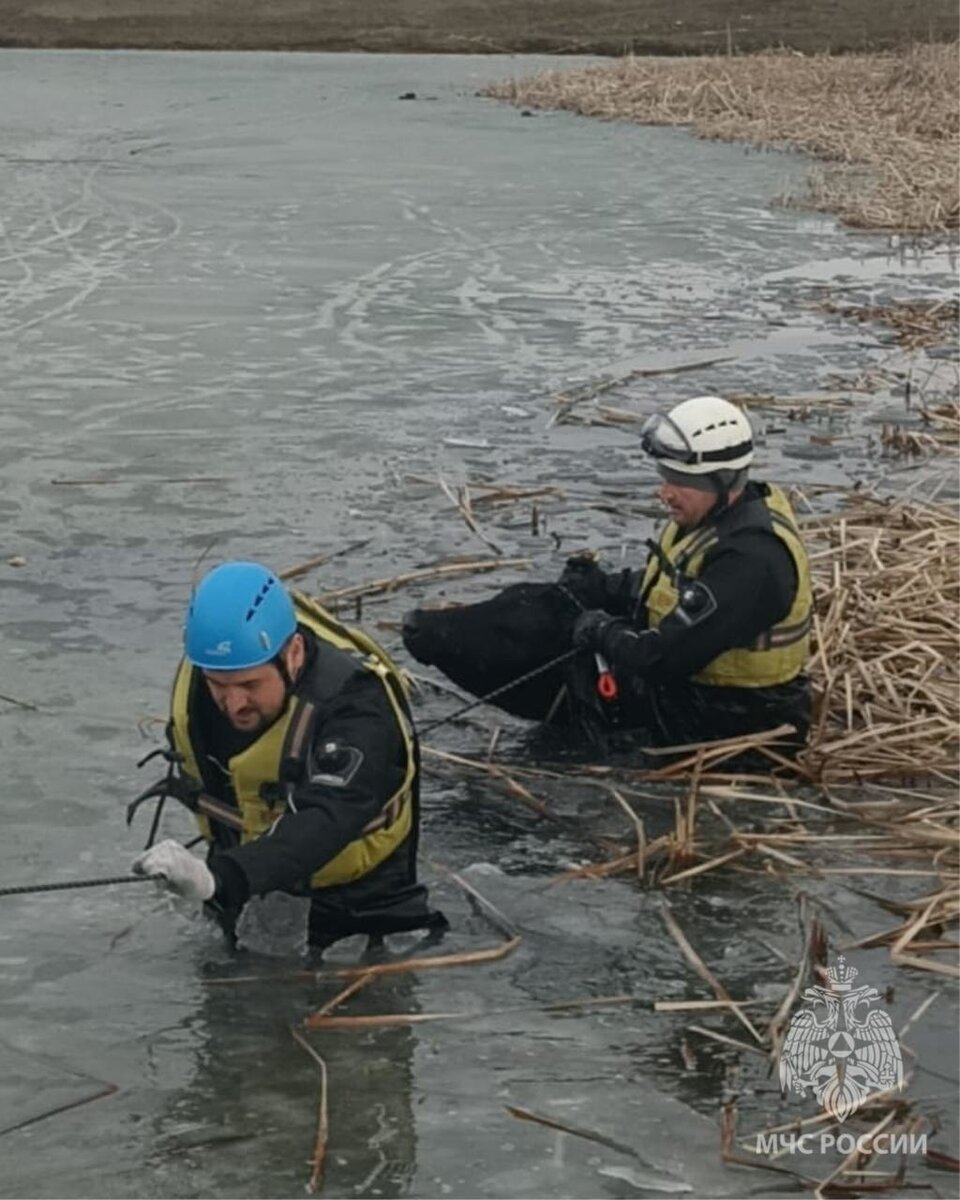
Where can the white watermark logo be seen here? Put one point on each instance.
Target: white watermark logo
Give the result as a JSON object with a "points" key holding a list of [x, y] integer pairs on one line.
{"points": [[773, 1145], [839, 1047]]}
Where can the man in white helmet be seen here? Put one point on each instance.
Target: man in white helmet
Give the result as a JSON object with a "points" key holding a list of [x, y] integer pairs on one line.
{"points": [[711, 639]]}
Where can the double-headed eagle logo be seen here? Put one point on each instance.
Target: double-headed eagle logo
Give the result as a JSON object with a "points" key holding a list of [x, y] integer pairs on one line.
{"points": [[829, 1049]]}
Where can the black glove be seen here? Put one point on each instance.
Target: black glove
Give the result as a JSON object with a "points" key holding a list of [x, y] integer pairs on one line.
{"points": [[591, 628]]}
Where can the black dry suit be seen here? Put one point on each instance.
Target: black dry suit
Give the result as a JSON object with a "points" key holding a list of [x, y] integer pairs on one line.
{"points": [[712, 636], [326, 798]]}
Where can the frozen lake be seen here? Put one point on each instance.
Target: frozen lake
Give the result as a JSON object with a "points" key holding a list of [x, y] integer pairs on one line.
{"points": [[247, 304]]}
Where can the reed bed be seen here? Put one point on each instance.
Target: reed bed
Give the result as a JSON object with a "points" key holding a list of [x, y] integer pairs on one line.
{"points": [[916, 323], [844, 832], [918, 326], [858, 802], [886, 583], [887, 124], [939, 433], [885, 577], [874, 792], [884, 666]]}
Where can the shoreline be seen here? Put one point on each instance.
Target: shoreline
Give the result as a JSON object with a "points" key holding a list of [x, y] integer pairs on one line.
{"points": [[562, 27], [883, 127]]}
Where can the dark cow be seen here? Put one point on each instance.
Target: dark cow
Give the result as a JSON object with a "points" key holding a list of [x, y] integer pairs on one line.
{"points": [[481, 647]]}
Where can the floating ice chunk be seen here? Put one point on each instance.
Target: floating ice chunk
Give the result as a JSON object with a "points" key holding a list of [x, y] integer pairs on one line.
{"points": [[275, 925], [467, 443], [484, 868], [647, 1181]]}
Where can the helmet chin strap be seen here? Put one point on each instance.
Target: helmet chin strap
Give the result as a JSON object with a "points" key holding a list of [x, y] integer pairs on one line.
{"points": [[722, 502], [280, 663], [723, 485], [284, 674]]}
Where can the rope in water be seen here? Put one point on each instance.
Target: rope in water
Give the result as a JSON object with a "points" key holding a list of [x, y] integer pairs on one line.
{"points": [[108, 881], [26, 889], [554, 662]]}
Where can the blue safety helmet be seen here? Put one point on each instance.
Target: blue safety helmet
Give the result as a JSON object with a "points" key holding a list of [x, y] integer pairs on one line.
{"points": [[240, 616]]}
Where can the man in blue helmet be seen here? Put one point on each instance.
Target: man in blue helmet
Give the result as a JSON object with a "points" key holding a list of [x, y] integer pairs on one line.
{"points": [[293, 744]]}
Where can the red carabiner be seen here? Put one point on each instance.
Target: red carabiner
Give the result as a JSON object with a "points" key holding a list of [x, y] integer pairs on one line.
{"points": [[607, 687]]}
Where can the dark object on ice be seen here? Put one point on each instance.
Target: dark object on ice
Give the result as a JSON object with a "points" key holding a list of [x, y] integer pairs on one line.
{"points": [[483, 646]]}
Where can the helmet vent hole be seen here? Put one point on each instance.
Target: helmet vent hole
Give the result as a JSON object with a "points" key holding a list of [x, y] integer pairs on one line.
{"points": [[259, 599]]}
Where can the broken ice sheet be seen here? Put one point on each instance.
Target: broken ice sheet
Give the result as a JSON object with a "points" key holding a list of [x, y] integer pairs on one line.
{"points": [[646, 1181], [275, 925]]}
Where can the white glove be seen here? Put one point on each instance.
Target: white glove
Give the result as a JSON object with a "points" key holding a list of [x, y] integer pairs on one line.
{"points": [[183, 872]]}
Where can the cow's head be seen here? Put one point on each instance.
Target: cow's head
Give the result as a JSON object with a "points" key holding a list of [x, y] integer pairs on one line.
{"points": [[481, 647]]}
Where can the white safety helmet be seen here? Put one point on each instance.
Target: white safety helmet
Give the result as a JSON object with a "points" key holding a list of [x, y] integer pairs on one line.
{"points": [[702, 436]]}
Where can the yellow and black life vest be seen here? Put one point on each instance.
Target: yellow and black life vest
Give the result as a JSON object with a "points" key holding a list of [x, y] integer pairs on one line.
{"points": [[780, 653], [279, 753]]}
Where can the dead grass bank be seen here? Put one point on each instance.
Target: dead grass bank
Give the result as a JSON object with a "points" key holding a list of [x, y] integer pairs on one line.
{"points": [[886, 123], [465, 26]]}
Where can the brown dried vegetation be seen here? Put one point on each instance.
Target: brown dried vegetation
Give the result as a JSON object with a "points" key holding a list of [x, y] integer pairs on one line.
{"points": [[887, 123]]}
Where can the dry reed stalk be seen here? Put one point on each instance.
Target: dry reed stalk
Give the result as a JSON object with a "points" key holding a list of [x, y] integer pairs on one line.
{"points": [[440, 570], [729, 1155], [105, 1089], [701, 968], [701, 755], [795, 406], [17, 703], [399, 967], [888, 631], [856, 1154], [498, 772], [499, 495], [638, 829], [401, 1020], [315, 1182], [525, 1114], [461, 501], [382, 1020], [943, 909], [886, 123], [885, 579], [916, 323], [796, 1126], [627, 862], [711, 863], [736, 1043], [351, 989], [814, 945], [468, 958], [699, 1005], [567, 400], [320, 560]]}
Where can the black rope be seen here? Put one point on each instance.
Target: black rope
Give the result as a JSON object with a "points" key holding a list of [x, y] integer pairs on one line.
{"points": [[554, 662], [25, 889], [500, 691]]}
